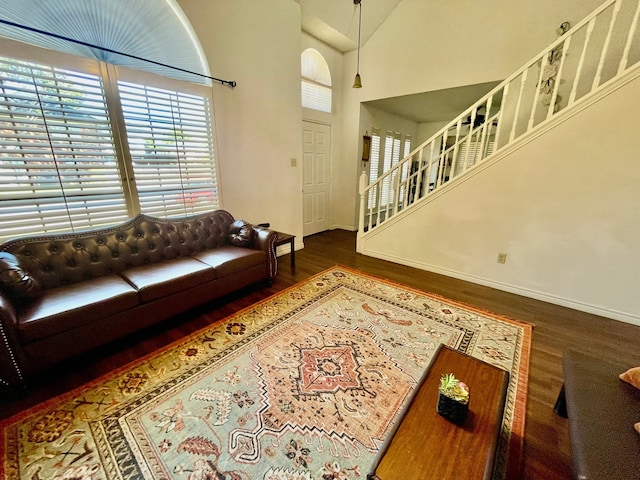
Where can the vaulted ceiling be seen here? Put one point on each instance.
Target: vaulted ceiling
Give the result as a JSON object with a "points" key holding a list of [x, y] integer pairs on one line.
{"points": [[335, 22]]}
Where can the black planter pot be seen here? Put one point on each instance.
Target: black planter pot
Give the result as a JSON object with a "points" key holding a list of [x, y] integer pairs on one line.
{"points": [[451, 409]]}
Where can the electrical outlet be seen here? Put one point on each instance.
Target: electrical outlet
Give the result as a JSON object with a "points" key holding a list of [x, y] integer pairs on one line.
{"points": [[294, 162], [502, 258]]}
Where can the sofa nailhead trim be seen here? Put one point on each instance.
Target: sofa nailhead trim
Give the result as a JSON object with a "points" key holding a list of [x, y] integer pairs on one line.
{"points": [[11, 355]]}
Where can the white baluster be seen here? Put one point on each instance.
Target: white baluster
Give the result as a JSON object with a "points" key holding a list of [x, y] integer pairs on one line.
{"points": [[389, 203], [485, 128], [396, 188], [518, 103], [558, 78], [632, 32], [404, 182], [545, 61], [429, 168], [418, 174], [382, 209], [441, 160], [388, 208], [467, 140], [374, 194], [503, 102], [605, 47], [379, 201], [583, 55], [363, 198], [454, 160]]}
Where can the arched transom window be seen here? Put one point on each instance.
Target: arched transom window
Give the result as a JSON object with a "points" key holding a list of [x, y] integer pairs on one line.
{"points": [[316, 81]]}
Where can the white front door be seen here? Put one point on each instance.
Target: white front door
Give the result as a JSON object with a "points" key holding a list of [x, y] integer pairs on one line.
{"points": [[316, 164]]}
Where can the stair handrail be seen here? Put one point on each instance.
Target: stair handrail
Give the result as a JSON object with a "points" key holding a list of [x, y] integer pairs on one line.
{"points": [[407, 178]]}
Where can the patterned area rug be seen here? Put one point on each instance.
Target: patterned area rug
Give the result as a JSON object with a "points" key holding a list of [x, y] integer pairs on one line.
{"points": [[304, 385]]}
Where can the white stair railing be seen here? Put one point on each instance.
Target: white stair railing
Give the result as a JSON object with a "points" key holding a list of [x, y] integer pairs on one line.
{"points": [[601, 47]]}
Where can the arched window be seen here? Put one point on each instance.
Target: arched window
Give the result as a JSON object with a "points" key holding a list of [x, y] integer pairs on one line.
{"points": [[89, 142], [157, 30], [316, 81]]}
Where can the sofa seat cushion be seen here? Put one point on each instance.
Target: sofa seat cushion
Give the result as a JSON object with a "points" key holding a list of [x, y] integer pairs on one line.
{"points": [[162, 279], [67, 307], [229, 259]]}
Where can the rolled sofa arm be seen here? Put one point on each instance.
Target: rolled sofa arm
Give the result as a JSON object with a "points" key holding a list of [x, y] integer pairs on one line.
{"points": [[12, 373], [265, 240]]}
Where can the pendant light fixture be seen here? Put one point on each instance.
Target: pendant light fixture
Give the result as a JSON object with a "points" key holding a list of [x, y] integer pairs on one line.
{"points": [[357, 83]]}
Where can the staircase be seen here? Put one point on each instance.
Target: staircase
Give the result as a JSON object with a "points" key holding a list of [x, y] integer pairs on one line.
{"points": [[585, 60]]}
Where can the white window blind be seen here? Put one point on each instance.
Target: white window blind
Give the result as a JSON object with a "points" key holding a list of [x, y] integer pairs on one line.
{"points": [[170, 142], [90, 145], [406, 152], [316, 96], [58, 169], [405, 167], [407, 146]]}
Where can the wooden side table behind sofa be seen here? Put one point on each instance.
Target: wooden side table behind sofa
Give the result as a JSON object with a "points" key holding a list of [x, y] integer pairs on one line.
{"points": [[284, 238]]}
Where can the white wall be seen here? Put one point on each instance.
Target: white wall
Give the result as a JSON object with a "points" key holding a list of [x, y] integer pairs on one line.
{"points": [[257, 44], [570, 233], [374, 117], [439, 44], [425, 46], [564, 207], [426, 130]]}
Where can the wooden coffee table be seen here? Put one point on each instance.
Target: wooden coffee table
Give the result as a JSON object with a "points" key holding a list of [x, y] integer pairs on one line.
{"points": [[424, 445]]}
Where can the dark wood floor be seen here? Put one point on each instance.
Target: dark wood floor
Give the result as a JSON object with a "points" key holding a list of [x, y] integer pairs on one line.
{"points": [[547, 449]]}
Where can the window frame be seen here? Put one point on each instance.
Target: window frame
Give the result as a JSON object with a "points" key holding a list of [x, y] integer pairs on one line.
{"points": [[316, 91], [110, 75]]}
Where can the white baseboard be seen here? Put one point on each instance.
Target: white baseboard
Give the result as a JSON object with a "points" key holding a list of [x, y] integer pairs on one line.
{"points": [[626, 317], [298, 244], [349, 228]]}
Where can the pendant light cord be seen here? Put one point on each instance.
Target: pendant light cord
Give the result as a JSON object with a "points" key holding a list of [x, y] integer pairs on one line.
{"points": [[359, 31]]}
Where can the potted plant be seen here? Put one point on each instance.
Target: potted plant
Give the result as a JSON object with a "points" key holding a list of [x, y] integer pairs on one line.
{"points": [[453, 398]]}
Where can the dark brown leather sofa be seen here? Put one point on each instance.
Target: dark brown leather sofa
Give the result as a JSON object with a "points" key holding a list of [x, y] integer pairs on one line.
{"points": [[62, 295], [602, 410]]}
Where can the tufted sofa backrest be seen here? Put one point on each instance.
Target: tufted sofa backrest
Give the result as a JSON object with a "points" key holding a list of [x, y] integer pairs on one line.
{"points": [[56, 260]]}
